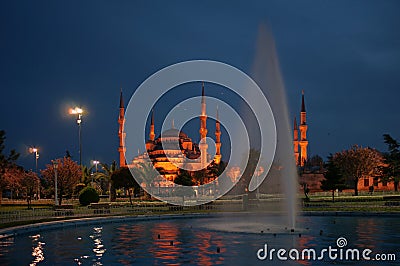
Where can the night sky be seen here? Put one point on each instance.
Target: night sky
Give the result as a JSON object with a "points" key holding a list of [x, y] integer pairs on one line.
{"points": [[58, 54]]}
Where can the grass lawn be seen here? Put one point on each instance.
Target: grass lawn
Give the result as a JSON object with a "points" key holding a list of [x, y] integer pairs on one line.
{"points": [[24, 216]]}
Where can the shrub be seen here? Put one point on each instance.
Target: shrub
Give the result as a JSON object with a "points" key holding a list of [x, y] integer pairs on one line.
{"points": [[88, 195]]}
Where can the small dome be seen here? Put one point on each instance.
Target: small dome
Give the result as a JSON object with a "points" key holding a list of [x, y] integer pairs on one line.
{"points": [[173, 132]]}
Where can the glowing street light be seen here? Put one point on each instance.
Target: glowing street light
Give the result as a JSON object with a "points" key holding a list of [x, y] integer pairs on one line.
{"points": [[78, 111], [36, 152], [95, 163]]}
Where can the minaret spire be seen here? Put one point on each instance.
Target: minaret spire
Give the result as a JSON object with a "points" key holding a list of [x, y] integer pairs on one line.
{"points": [[217, 158], [202, 93], [303, 106], [121, 100], [203, 130], [152, 135], [303, 132], [121, 133], [296, 141]]}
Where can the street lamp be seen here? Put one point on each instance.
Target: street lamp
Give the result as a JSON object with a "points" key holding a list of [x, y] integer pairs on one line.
{"points": [[95, 163], [36, 152], [78, 111], [55, 166]]}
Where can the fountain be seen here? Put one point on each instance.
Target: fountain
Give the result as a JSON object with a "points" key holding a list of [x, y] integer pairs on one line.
{"points": [[279, 204], [266, 72]]}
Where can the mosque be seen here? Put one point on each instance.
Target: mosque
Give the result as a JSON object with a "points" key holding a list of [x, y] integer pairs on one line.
{"points": [[169, 160]]}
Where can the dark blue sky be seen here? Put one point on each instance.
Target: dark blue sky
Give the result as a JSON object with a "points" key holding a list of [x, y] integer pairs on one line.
{"points": [[344, 54]]}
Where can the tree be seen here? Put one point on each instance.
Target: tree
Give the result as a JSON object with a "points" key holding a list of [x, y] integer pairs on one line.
{"points": [[30, 182], [315, 162], [254, 158], [391, 170], [86, 174], [78, 188], [333, 178], [215, 170], [357, 163], [122, 178], [12, 179], [69, 174], [184, 178], [145, 171], [106, 174], [6, 161]]}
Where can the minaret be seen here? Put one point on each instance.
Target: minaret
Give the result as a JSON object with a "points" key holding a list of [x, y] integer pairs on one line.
{"points": [[217, 158], [152, 135], [203, 130], [296, 141], [121, 133], [303, 132]]}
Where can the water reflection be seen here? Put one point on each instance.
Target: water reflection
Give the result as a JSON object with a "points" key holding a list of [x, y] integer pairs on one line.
{"points": [[128, 241], [305, 241], [5, 245], [37, 249], [168, 246], [208, 243], [149, 242], [366, 230], [98, 247]]}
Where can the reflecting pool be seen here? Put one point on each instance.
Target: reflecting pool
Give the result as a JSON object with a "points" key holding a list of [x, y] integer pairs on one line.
{"points": [[217, 240]]}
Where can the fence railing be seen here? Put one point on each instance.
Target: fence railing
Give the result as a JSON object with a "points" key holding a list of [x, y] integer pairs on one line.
{"points": [[111, 209]]}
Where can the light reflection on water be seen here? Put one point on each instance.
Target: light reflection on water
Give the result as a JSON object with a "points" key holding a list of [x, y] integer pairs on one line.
{"points": [[190, 241], [37, 250], [98, 249]]}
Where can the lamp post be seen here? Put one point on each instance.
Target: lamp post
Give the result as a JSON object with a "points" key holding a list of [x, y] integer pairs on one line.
{"points": [[35, 151], [95, 163], [78, 111], [55, 166]]}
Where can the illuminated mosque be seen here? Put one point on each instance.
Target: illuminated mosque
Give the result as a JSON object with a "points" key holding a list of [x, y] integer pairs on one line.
{"points": [[165, 155], [168, 159]]}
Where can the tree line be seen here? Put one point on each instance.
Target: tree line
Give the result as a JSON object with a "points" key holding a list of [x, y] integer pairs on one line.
{"points": [[346, 168], [343, 170], [71, 178]]}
